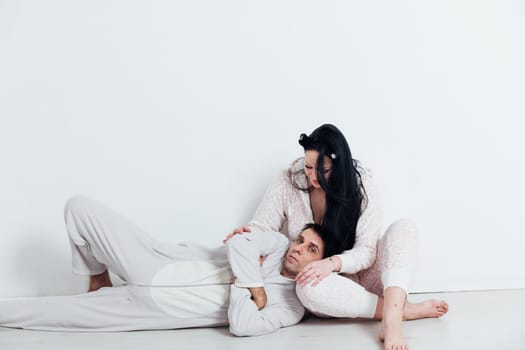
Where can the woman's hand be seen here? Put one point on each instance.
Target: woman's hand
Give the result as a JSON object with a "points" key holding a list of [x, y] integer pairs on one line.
{"points": [[237, 231], [315, 271]]}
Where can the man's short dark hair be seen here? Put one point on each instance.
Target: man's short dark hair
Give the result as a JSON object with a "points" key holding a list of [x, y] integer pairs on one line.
{"points": [[330, 246]]}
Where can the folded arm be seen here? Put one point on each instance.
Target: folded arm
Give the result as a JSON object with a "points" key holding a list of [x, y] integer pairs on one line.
{"points": [[247, 320], [250, 313]]}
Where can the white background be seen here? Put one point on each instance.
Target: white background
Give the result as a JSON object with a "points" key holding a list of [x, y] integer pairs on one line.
{"points": [[179, 113]]}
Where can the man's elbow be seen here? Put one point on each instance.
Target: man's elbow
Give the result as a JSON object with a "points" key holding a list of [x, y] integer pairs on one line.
{"points": [[239, 330], [248, 329]]}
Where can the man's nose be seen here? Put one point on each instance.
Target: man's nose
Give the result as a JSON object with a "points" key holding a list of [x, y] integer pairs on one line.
{"points": [[300, 249]]}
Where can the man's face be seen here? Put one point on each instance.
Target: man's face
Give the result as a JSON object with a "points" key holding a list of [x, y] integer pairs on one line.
{"points": [[307, 247]]}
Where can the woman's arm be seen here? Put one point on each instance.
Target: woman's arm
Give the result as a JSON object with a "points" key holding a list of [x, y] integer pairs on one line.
{"points": [[271, 212], [368, 232]]}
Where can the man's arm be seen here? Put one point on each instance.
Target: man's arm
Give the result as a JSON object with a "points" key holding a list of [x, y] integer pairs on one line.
{"points": [[247, 312], [247, 320], [244, 252], [259, 297]]}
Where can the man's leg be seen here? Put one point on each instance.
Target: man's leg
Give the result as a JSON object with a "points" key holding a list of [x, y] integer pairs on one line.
{"points": [[99, 281], [103, 240], [125, 308]]}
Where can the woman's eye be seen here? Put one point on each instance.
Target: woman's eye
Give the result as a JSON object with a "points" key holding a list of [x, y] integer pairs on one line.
{"points": [[312, 250]]}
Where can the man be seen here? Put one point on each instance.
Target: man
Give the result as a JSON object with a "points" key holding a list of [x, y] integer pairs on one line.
{"points": [[170, 286]]}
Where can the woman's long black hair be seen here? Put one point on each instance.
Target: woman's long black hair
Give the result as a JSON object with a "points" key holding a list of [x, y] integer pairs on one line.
{"points": [[343, 186]]}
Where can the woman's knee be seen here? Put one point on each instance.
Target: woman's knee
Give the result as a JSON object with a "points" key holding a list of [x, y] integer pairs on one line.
{"points": [[398, 249], [404, 228]]}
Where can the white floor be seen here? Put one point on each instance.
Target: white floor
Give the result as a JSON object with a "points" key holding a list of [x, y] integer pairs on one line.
{"points": [[477, 320]]}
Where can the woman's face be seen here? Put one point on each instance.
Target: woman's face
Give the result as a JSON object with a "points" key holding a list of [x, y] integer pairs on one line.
{"points": [[310, 167]]}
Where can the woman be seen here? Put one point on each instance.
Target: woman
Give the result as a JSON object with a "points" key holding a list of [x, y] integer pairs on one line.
{"points": [[367, 273]]}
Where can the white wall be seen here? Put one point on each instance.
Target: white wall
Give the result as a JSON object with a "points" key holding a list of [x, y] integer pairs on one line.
{"points": [[179, 114]]}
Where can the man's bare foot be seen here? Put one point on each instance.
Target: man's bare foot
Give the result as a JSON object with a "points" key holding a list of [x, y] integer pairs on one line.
{"points": [[99, 281], [391, 335], [426, 309]]}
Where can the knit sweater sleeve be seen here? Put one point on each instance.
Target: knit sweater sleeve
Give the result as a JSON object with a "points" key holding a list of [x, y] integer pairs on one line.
{"points": [[271, 212], [368, 231]]}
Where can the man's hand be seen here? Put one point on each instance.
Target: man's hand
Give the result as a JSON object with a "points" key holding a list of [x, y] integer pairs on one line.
{"points": [[261, 259], [258, 296], [238, 230]]}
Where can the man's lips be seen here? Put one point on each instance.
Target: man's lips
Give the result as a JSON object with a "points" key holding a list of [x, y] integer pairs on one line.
{"points": [[292, 259]]}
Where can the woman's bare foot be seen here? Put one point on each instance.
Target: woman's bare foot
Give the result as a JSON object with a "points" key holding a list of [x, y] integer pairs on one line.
{"points": [[426, 309], [392, 319], [391, 329], [391, 335], [99, 281]]}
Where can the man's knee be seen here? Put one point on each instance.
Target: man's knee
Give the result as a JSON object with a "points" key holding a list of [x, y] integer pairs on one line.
{"points": [[77, 204], [78, 207]]}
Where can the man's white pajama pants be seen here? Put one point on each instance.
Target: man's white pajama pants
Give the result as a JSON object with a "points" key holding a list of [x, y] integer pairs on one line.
{"points": [[103, 240]]}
